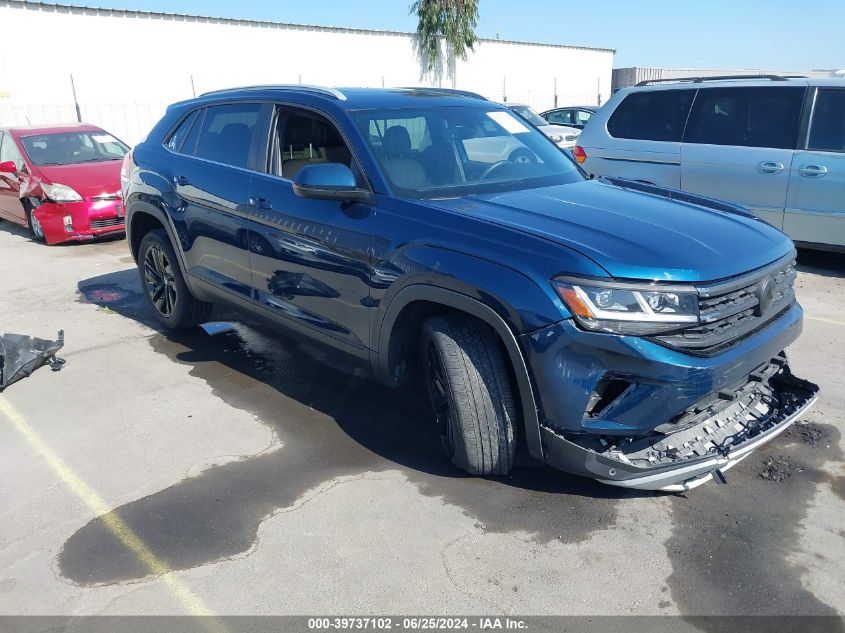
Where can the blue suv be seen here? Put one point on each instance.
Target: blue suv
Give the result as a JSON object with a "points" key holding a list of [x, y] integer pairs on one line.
{"points": [[622, 331]]}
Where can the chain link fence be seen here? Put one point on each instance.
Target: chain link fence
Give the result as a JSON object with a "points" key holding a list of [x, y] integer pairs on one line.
{"points": [[546, 101], [129, 122]]}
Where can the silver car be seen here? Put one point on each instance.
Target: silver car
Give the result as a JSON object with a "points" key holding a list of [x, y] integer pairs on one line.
{"points": [[772, 144], [573, 116], [563, 136]]}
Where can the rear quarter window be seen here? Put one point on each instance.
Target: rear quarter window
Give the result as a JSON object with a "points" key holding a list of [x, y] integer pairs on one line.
{"points": [[827, 132], [651, 115], [176, 140]]}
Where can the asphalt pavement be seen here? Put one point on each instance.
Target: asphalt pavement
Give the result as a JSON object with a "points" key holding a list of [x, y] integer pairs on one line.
{"points": [[246, 473]]}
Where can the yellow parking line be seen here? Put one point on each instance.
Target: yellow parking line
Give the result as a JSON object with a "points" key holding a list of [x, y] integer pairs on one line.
{"points": [[113, 522], [823, 320]]}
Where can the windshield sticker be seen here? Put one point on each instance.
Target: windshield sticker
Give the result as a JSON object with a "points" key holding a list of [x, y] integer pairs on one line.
{"points": [[104, 138], [508, 121]]}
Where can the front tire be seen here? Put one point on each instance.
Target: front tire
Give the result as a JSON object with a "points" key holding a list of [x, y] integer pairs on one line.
{"points": [[164, 287], [36, 231], [471, 393]]}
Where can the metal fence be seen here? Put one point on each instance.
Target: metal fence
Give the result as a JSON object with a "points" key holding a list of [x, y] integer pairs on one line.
{"points": [[546, 101], [131, 122], [127, 121]]}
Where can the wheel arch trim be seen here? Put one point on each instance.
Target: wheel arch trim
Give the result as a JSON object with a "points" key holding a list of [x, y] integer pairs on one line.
{"points": [[140, 206], [474, 307]]}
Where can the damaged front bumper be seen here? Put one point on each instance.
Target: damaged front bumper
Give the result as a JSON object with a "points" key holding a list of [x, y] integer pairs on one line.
{"points": [[80, 221], [711, 437]]}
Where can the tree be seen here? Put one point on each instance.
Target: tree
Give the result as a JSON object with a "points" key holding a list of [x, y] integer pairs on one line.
{"points": [[452, 20]]}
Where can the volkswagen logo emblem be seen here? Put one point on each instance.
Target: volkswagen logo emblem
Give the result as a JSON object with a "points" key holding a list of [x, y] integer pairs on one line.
{"points": [[765, 295]]}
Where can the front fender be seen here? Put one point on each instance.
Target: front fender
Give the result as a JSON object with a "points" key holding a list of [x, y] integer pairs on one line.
{"points": [[524, 303], [475, 307]]}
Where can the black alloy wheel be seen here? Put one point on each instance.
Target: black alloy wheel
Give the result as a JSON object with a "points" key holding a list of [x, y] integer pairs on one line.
{"points": [[160, 282]]}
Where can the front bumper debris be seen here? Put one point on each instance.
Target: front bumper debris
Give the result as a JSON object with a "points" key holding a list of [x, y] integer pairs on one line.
{"points": [[699, 445], [20, 355]]}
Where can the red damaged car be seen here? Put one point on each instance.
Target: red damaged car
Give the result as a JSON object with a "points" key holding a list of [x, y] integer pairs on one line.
{"points": [[62, 182]]}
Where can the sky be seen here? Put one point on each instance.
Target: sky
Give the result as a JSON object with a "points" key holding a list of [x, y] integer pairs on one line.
{"points": [[768, 34]]}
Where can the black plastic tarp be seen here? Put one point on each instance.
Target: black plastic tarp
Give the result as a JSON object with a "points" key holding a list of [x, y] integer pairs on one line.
{"points": [[20, 355]]}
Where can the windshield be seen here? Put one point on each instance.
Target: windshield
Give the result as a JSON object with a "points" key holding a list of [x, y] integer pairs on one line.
{"points": [[529, 115], [71, 148], [455, 151]]}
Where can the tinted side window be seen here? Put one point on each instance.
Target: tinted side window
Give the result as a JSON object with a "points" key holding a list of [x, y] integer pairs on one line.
{"points": [[226, 133], [746, 117], [827, 133], [305, 138], [9, 151], [582, 117], [653, 115], [417, 129], [563, 117], [177, 138]]}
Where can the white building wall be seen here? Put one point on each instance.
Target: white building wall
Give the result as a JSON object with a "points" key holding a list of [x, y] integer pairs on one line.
{"points": [[127, 66]]}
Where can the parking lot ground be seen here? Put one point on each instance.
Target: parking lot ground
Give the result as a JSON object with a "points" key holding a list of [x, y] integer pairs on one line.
{"points": [[244, 474]]}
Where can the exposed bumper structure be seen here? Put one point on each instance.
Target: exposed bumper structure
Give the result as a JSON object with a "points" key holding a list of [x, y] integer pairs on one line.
{"points": [[713, 437], [629, 412], [81, 221]]}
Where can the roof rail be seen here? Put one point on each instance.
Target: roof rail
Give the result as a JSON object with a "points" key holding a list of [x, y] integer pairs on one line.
{"points": [[698, 80], [334, 93], [446, 91]]}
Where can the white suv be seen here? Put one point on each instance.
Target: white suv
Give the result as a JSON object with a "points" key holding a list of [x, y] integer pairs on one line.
{"points": [[774, 145]]}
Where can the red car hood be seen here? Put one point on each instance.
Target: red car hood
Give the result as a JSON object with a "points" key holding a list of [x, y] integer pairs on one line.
{"points": [[87, 179]]}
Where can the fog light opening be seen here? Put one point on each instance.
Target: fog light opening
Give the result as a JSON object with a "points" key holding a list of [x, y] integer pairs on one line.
{"points": [[606, 391]]}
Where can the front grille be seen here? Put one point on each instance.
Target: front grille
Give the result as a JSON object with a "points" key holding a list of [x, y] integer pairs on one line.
{"points": [[734, 309], [102, 224]]}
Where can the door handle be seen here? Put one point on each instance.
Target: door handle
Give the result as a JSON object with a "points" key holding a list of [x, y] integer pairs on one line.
{"points": [[261, 203], [181, 181], [813, 171], [770, 167]]}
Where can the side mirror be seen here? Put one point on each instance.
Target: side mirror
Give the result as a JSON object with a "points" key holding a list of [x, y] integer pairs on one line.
{"points": [[8, 167], [329, 181]]}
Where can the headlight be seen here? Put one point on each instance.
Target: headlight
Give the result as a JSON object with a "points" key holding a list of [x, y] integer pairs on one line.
{"points": [[622, 308], [60, 193]]}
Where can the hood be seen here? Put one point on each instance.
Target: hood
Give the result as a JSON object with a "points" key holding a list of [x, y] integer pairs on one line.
{"points": [[632, 234], [88, 179], [559, 129]]}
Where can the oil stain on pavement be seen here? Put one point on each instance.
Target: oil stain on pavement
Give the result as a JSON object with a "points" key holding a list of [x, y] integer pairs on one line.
{"points": [[730, 544], [332, 421]]}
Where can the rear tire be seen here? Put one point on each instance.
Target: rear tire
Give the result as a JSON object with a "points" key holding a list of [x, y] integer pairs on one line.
{"points": [[471, 393], [164, 287]]}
